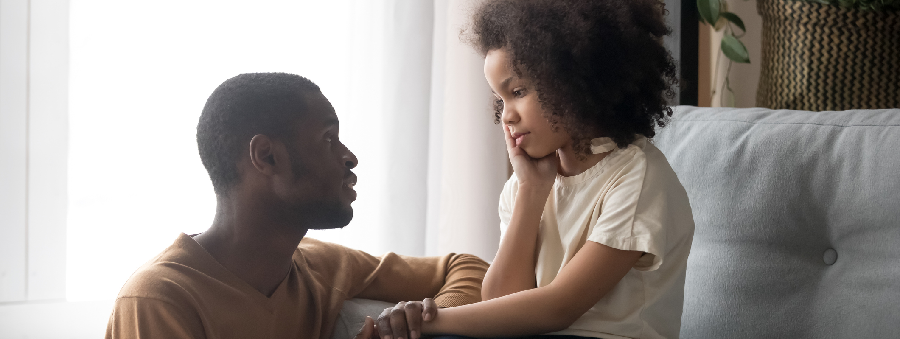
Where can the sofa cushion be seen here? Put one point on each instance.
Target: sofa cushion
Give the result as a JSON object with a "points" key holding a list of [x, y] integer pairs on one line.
{"points": [[797, 221]]}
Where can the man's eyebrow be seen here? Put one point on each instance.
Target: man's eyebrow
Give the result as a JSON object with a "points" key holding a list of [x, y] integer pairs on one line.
{"points": [[332, 121]]}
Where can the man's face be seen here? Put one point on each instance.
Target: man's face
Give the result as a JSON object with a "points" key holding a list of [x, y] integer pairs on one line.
{"points": [[321, 188]]}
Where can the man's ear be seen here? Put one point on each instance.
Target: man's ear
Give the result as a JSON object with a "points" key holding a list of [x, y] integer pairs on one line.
{"points": [[266, 155]]}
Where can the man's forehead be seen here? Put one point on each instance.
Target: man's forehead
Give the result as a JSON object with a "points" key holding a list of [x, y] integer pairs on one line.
{"points": [[319, 109]]}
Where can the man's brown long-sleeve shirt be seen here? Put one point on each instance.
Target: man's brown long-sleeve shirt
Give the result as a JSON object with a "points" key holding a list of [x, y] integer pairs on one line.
{"points": [[185, 293]]}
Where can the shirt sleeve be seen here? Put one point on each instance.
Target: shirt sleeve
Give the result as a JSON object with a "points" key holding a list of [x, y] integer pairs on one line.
{"points": [[452, 280], [507, 201], [633, 212], [150, 318]]}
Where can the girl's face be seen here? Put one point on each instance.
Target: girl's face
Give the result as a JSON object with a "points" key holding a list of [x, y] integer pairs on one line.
{"points": [[522, 111]]}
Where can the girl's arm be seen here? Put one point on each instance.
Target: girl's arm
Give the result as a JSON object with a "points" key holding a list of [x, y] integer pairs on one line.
{"points": [[589, 276], [513, 267]]}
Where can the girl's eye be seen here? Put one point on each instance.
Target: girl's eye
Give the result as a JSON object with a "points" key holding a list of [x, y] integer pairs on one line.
{"points": [[518, 93]]}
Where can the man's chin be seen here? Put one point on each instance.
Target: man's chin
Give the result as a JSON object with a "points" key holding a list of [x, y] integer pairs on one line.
{"points": [[322, 215], [334, 221]]}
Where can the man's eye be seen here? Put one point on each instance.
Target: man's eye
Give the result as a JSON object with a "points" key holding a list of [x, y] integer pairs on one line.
{"points": [[328, 138]]}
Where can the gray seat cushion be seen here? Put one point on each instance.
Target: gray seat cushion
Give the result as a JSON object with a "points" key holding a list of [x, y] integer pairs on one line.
{"points": [[797, 222]]}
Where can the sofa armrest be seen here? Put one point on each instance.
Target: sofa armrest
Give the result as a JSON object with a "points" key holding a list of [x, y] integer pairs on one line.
{"points": [[353, 316]]}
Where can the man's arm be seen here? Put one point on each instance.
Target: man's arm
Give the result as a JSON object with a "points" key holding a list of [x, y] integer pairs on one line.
{"points": [[150, 318], [452, 280]]}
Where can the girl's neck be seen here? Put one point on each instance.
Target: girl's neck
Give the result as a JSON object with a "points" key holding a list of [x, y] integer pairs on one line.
{"points": [[571, 165]]}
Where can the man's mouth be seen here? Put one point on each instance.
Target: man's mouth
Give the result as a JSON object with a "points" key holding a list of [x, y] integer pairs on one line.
{"points": [[349, 184], [350, 180]]}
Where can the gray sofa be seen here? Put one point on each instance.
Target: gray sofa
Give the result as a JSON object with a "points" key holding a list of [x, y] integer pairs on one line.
{"points": [[797, 223]]}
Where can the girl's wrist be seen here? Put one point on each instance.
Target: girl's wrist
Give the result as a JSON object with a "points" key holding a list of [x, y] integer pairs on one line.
{"points": [[535, 188], [534, 193]]}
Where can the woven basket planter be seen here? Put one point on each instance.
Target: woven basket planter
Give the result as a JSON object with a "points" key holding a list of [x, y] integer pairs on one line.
{"points": [[818, 57]]}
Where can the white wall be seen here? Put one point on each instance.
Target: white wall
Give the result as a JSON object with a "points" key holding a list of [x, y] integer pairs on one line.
{"points": [[48, 134], [34, 123], [13, 149], [34, 40], [54, 319]]}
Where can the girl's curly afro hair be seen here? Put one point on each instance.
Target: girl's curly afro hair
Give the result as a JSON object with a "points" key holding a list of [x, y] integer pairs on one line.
{"points": [[599, 67]]}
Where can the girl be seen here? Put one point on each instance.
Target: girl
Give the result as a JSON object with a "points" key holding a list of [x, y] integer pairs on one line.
{"points": [[596, 227]]}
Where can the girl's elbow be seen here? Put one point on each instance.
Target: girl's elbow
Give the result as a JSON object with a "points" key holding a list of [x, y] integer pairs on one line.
{"points": [[557, 326], [565, 306], [560, 319]]}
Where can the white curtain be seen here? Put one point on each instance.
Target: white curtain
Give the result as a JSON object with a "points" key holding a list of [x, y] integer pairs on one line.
{"points": [[412, 99], [446, 162], [467, 156]]}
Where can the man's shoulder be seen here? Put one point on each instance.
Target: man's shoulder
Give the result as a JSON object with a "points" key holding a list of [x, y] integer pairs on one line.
{"points": [[311, 251], [170, 274], [310, 247], [157, 279], [329, 259], [165, 296]]}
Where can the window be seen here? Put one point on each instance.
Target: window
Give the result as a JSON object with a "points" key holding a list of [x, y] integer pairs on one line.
{"points": [[140, 73]]}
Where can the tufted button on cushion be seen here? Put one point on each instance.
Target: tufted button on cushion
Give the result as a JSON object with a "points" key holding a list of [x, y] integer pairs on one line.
{"points": [[770, 191], [830, 256]]}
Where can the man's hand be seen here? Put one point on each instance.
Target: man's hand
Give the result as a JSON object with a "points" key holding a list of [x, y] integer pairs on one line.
{"points": [[368, 330], [404, 321]]}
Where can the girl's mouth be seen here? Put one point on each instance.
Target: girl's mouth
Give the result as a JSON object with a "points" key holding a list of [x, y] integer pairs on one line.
{"points": [[519, 137]]}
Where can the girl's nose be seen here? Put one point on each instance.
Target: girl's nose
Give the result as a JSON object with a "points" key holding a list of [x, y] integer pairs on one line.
{"points": [[509, 116]]}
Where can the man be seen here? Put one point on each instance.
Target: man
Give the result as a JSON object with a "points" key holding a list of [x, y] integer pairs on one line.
{"points": [[271, 146]]}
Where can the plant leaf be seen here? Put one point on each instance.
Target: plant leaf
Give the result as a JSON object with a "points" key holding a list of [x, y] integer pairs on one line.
{"points": [[709, 11], [734, 19], [734, 49]]}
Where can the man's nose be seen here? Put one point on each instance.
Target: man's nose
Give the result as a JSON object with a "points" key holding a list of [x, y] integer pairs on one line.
{"points": [[350, 159]]}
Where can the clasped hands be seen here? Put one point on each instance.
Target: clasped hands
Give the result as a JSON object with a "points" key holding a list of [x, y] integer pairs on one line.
{"points": [[403, 321]]}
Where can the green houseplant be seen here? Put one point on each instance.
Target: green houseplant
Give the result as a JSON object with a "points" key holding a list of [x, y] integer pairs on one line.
{"points": [[815, 23], [711, 11], [714, 13]]}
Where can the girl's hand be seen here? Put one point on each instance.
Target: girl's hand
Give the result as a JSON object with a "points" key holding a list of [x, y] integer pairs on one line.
{"points": [[538, 173]]}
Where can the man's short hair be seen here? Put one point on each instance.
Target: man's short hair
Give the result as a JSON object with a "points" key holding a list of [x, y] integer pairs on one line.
{"points": [[242, 107]]}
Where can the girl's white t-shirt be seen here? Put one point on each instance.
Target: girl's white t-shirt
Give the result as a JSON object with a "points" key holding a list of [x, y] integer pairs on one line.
{"points": [[630, 200]]}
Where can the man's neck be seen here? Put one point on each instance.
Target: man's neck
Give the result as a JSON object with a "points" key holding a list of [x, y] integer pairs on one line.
{"points": [[250, 244]]}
